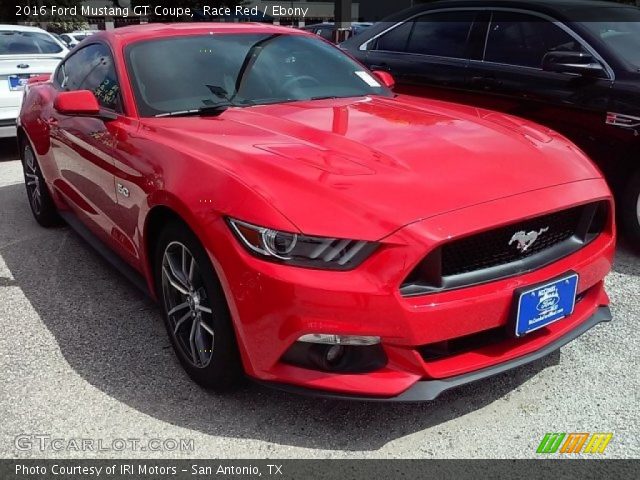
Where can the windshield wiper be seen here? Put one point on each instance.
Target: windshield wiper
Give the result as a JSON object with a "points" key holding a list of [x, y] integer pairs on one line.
{"points": [[209, 110], [326, 97]]}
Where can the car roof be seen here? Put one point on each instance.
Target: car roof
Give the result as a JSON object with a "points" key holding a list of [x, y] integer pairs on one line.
{"points": [[22, 28], [135, 33]]}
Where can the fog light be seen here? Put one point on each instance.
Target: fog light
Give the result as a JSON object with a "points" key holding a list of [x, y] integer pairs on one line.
{"points": [[339, 339], [334, 354]]}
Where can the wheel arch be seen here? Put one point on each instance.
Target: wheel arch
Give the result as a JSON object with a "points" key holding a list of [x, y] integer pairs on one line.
{"points": [[157, 217]]}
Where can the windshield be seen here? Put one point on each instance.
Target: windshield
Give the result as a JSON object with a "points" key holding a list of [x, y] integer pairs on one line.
{"points": [[195, 72], [27, 43], [621, 32]]}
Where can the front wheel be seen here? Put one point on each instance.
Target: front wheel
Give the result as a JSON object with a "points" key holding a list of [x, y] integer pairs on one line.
{"points": [[195, 310], [630, 209]]}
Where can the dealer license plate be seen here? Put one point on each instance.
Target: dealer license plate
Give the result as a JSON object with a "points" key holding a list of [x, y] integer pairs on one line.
{"points": [[17, 82], [542, 305]]}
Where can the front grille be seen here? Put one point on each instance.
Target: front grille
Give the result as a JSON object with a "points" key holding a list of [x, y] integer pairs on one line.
{"points": [[492, 248], [8, 122], [508, 250]]}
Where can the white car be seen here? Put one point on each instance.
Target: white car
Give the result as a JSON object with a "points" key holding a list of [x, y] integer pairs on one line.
{"points": [[24, 52], [74, 38]]}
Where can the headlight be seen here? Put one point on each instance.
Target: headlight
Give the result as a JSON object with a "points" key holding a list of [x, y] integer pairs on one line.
{"points": [[301, 250]]}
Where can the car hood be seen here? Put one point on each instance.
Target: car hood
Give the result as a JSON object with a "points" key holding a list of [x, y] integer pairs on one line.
{"points": [[365, 167]]}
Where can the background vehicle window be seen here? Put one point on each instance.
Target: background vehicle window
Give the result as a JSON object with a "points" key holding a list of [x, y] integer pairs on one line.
{"points": [[521, 39], [443, 34], [26, 43], [620, 32], [325, 33], [91, 68], [395, 40]]}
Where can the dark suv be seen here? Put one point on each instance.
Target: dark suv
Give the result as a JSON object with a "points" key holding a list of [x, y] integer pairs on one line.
{"points": [[571, 65]]}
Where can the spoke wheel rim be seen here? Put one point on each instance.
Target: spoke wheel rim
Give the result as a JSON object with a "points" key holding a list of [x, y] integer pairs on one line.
{"points": [[32, 179], [187, 305]]}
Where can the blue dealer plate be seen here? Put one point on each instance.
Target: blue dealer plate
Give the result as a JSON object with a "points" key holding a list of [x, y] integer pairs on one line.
{"points": [[17, 82], [544, 304]]}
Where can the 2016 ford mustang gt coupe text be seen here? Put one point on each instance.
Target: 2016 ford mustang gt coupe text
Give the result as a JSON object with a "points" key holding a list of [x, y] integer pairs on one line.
{"points": [[301, 224]]}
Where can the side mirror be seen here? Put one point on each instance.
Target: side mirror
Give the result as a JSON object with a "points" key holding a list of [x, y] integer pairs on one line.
{"points": [[572, 62], [77, 102], [386, 78]]}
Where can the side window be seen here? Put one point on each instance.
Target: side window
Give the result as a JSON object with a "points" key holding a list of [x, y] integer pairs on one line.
{"points": [[59, 77], [521, 39], [92, 68], [395, 40], [444, 34]]}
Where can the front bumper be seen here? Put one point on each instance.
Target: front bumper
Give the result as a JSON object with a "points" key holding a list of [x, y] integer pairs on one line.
{"points": [[426, 390], [274, 305]]}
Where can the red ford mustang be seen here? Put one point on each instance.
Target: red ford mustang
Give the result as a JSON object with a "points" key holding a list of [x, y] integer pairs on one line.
{"points": [[299, 223]]}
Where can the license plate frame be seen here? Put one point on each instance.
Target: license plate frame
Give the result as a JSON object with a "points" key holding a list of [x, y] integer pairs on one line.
{"points": [[540, 305]]}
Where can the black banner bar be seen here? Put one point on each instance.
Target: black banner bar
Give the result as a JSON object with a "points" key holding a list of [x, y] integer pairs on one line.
{"points": [[581, 469], [55, 11]]}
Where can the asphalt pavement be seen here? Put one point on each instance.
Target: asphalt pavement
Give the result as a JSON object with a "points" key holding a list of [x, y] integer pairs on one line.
{"points": [[85, 358]]}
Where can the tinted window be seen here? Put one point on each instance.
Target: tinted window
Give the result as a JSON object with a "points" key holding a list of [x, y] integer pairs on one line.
{"points": [[27, 43], [189, 73], [326, 33], [444, 34], [91, 68], [395, 40], [520, 39], [621, 31]]}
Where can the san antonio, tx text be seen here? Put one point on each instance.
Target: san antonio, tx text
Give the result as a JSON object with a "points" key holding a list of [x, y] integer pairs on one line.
{"points": [[142, 469], [145, 10]]}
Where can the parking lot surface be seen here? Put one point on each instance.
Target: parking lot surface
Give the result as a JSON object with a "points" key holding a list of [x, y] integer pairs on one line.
{"points": [[85, 357]]}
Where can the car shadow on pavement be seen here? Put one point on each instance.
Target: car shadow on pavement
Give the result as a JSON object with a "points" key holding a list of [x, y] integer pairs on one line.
{"points": [[8, 149], [112, 336]]}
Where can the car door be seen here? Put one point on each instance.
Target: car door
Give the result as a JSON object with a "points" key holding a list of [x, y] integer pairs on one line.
{"points": [[428, 54], [86, 149], [508, 76]]}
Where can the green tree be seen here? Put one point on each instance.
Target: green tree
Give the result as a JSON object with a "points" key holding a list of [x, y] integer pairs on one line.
{"points": [[58, 23]]}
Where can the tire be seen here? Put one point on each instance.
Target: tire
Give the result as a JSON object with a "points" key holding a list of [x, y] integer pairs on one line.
{"points": [[630, 210], [40, 201], [204, 341]]}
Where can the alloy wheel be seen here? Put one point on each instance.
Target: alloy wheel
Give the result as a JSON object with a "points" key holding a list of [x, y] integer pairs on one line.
{"points": [[32, 178], [187, 305]]}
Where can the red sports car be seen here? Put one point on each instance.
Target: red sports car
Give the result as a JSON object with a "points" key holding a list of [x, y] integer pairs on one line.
{"points": [[301, 224]]}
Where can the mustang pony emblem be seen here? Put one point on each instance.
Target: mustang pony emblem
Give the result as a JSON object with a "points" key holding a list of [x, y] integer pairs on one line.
{"points": [[525, 240]]}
